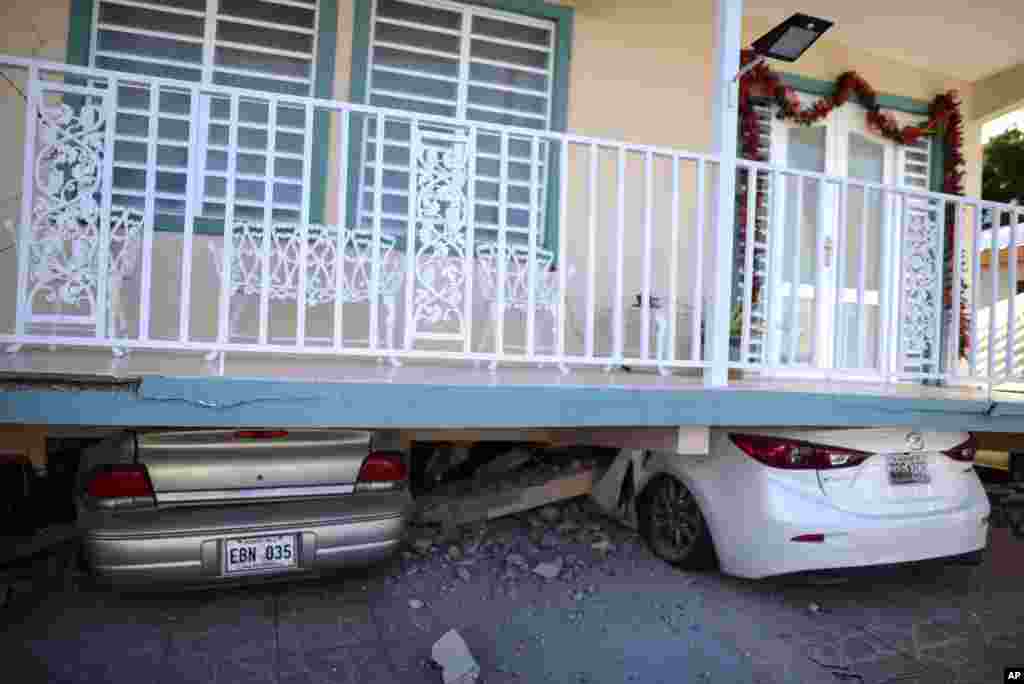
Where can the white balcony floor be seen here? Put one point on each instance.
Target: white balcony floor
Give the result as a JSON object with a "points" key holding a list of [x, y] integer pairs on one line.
{"points": [[97, 366]]}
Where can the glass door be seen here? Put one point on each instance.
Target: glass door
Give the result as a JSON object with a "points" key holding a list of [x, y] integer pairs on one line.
{"points": [[866, 264], [800, 318], [828, 278]]}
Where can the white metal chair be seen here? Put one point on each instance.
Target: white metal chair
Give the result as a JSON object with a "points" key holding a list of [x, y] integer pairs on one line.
{"points": [[285, 251], [64, 257], [489, 255]]}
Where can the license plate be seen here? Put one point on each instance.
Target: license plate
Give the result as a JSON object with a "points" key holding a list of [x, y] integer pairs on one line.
{"points": [[259, 554], [908, 469]]}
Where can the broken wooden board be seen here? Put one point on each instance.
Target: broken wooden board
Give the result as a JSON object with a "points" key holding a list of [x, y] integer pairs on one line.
{"points": [[475, 506]]}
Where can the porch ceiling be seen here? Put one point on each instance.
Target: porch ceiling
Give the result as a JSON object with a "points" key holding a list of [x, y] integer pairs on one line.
{"points": [[969, 41]]}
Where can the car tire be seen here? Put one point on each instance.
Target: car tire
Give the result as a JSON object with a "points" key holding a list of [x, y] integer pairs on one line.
{"points": [[673, 525]]}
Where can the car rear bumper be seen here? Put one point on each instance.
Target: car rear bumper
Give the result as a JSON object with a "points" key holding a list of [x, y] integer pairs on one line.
{"points": [[850, 540], [185, 545]]}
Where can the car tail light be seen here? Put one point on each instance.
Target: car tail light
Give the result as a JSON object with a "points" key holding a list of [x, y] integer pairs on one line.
{"points": [[261, 434], [791, 454], [381, 470], [965, 451], [120, 485]]}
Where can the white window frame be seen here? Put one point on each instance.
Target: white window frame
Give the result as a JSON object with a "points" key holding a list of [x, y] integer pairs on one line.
{"points": [[209, 41], [207, 70], [462, 105]]}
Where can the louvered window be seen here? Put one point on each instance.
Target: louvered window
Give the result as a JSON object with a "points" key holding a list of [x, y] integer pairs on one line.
{"points": [[461, 61], [264, 45], [916, 163]]}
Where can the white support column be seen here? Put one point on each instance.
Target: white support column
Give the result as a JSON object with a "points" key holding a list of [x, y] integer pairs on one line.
{"points": [[725, 118]]}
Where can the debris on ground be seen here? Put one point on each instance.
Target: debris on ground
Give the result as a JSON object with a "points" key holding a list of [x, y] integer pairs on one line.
{"points": [[549, 570], [603, 546], [550, 540], [567, 527], [463, 573], [457, 663], [415, 604], [508, 462], [454, 553], [550, 514], [517, 560], [814, 608], [508, 485]]}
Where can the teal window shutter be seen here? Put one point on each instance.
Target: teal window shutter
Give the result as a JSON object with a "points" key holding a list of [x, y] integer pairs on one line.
{"points": [[299, 61], [432, 81]]}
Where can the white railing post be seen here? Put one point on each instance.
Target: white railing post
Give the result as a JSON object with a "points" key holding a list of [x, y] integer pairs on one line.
{"points": [[531, 246], [725, 118], [103, 302], [957, 293], [224, 304], [1011, 295], [195, 167], [344, 122], [588, 333], [563, 247], [149, 220], [24, 232]]}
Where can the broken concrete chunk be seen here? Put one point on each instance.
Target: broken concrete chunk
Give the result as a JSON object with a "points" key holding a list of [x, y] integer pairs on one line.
{"points": [[550, 540], [506, 463], [517, 560], [567, 527], [457, 663], [534, 520], [463, 573], [415, 604], [550, 514], [454, 553], [549, 571]]}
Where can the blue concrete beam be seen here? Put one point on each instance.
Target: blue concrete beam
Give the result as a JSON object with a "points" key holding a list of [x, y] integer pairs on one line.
{"points": [[211, 402]]}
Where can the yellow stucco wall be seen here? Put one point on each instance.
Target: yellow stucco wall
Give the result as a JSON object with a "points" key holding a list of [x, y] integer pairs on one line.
{"points": [[639, 72]]}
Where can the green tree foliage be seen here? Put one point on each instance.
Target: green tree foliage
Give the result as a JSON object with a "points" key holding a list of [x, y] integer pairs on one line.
{"points": [[1002, 177]]}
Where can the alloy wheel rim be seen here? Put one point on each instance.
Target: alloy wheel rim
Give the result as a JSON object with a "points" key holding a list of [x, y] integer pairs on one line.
{"points": [[675, 518]]}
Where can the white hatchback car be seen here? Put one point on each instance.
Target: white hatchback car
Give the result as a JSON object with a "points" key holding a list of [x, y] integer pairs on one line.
{"points": [[770, 502]]}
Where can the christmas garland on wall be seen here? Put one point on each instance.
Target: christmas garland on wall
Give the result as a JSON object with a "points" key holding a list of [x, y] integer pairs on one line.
{"points": [[944, 121]]}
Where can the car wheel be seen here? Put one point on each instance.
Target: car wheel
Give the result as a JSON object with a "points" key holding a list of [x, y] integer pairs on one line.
{"points": [[672, 523]]}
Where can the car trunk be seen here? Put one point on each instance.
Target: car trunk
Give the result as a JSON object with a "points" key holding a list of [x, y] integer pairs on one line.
{"points": [[193, 467], [867, 489]]}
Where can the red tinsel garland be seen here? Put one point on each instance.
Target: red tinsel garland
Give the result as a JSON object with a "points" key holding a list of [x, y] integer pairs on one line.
{"points": [[944, 119]]}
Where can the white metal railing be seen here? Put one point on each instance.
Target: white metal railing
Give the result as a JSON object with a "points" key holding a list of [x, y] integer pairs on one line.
{"points": [[864, 280], [357, 276], [164, 215]]}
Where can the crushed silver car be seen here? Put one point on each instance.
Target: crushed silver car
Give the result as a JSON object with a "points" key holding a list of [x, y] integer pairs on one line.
{"points": [[214, 506]]}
